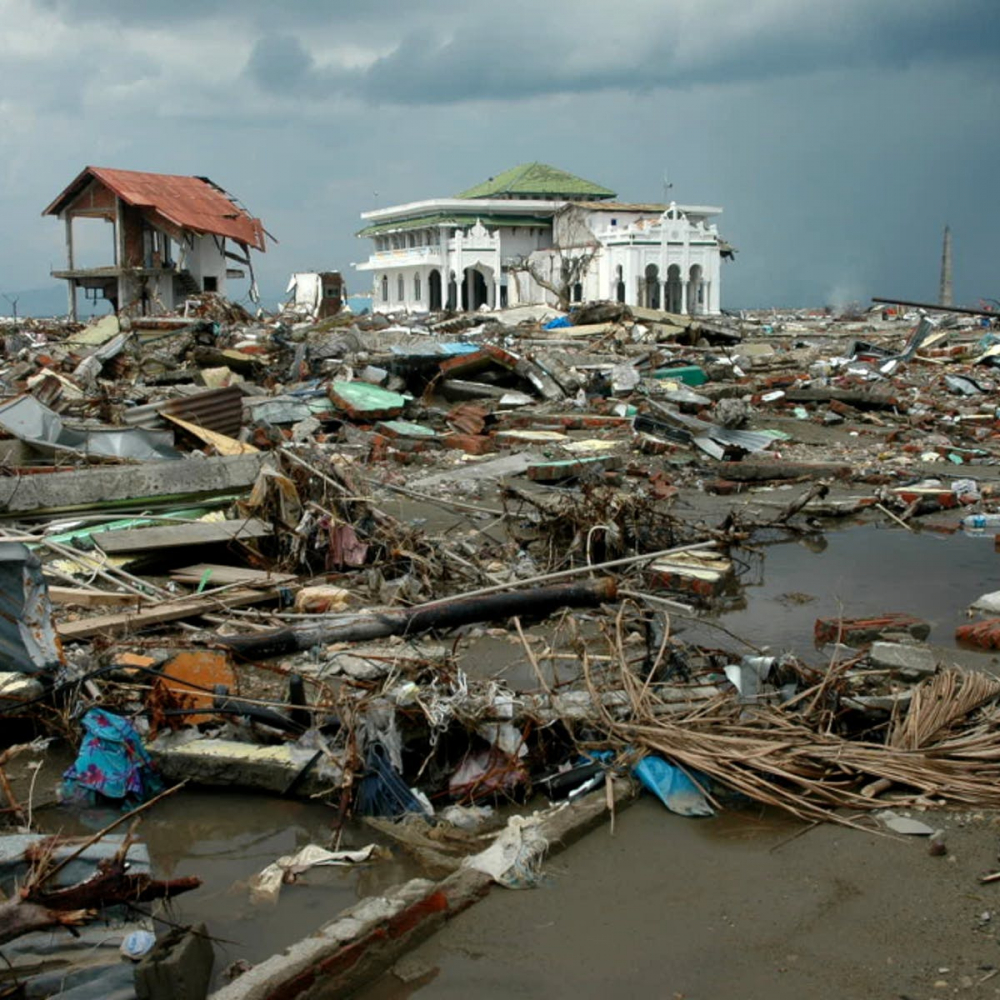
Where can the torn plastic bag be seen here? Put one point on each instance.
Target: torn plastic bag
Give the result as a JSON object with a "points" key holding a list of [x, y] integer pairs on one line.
{"points": [[382, 791], [485, 773], [672, 787], [514, 858]]}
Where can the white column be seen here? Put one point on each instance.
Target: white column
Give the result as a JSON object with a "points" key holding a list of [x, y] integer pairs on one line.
{"points": [[70, 285], [684, 296], [445, 265]]}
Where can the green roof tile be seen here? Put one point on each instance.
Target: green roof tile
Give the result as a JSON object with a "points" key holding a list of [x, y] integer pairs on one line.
{"points": [[538, 180]]}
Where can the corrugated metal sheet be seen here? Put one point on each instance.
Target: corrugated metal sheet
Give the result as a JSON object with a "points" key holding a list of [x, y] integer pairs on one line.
{"points": [[28, 641], [193, 203], [44, 430], [218, 410]]}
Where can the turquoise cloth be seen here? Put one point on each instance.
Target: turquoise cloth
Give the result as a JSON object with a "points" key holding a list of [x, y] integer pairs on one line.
{"points": [[111, 762]]}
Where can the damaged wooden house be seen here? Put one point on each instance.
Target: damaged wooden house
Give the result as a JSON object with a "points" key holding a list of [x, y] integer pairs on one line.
{"points": [[171, 236]]}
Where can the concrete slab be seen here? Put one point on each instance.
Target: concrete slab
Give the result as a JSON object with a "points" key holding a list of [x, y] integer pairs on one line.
{"points": [[911, 663], [227, 763]]}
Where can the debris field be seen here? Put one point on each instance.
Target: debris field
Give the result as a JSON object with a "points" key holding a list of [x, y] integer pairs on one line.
{"points": [[272, 553]]}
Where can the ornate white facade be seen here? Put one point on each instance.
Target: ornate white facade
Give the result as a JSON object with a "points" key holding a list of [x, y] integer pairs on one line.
{"points": [[470, 252]]}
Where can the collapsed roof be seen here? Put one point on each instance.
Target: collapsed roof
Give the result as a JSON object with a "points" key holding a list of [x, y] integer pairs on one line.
{"points": [[195, 204]]}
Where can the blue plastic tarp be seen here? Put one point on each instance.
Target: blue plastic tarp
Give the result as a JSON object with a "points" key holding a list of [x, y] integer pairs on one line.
{"points": [[672, 787]]}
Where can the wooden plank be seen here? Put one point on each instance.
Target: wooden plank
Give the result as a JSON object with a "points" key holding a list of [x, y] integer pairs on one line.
{"points": [[92, 598], [168, 536], [221, 576], [222, 443], [159, 614]]}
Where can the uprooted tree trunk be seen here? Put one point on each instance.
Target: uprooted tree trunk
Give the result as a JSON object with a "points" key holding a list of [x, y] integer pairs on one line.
{"points": [[35, 909], [450, 613], [18, 916]]}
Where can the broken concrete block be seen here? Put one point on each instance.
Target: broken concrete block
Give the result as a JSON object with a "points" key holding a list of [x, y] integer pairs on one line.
{"points": [[246, 765], [573, 468], [104, 486], [363, 401], [859, 631], [18, 849], [704, 574], [178, 968], [471, 444], [911, 663]]}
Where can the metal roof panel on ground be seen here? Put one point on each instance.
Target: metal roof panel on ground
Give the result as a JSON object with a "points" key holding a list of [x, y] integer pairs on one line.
{"points": [[218, 410], [194, 203]]}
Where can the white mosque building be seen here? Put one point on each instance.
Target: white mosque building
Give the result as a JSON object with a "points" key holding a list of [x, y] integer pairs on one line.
{"points": [[536, 233]]}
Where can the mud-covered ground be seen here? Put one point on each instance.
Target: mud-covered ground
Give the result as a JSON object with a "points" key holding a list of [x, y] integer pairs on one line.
{"points": [[744, 905], [756, 905]]}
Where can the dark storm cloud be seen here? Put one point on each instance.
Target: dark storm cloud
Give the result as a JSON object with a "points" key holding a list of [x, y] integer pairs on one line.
{"points": [[335, 14], [281, 64], [560, 49], [838, 136]]}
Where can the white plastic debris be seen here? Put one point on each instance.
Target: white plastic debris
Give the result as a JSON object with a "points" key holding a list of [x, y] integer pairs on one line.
{"points": [[903, 824], [266, 885], [514, 858]]}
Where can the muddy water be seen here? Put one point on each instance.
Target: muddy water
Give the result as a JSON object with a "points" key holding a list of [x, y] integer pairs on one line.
{"points": [[664, 894], [751, 904], [224, 838], [786, 584], [862, 571], [746, 906]]}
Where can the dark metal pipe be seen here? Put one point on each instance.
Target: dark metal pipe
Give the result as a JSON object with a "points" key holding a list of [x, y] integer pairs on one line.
{"points": [[935, 307]]}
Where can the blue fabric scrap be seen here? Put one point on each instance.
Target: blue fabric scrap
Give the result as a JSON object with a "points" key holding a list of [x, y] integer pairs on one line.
{"points": [[111, 762]]}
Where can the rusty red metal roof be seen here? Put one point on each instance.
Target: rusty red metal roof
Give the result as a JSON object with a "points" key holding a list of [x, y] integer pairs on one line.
{"points": [[193, 203]]}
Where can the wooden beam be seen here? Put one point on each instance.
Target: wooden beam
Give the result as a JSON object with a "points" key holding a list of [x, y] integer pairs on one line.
{"points": [[222, 576], [160, 614], [92, 598], [168, 536]]}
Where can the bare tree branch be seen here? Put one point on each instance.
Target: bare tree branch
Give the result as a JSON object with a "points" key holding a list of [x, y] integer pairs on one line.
{"points": [[563, 272]]}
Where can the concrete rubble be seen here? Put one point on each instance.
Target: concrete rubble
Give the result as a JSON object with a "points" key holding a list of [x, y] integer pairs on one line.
{"points": [[269, 542]]}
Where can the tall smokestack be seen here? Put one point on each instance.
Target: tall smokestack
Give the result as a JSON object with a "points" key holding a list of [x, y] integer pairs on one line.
{"points": [[945, 298]]}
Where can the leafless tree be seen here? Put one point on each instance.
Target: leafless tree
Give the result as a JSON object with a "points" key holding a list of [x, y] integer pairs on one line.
{"points": [[557, 271]]}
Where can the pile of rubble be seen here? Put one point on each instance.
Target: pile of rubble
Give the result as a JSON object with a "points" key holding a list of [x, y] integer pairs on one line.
{"points": [[259, 552]]}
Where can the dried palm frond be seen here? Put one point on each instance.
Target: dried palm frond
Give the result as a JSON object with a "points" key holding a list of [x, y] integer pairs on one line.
{"points": [[939, 702], [946, 749]]}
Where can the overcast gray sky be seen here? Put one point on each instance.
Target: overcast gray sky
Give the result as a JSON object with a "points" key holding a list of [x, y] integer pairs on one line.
{"points": [[839, 137]]}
